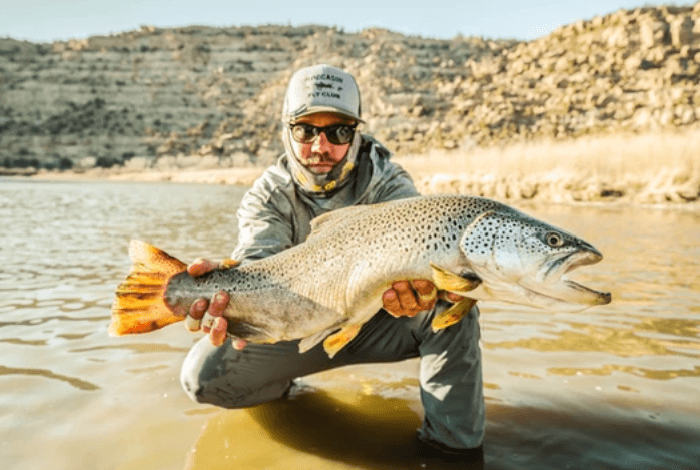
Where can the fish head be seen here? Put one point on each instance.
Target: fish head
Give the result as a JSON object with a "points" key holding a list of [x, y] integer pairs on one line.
{"points": [[523, 260]]}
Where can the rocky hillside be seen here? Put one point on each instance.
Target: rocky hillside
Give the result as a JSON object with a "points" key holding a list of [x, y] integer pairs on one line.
{"points": [[212, 96]]}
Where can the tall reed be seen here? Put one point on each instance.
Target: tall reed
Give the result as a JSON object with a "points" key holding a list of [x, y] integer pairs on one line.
{"points": [[653, 168]]}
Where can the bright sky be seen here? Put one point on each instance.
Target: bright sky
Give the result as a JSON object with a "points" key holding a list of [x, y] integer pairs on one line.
{"points": [[47, 20]]}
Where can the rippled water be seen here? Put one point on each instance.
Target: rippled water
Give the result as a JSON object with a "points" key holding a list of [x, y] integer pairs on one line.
{"points": [[612, 387]]}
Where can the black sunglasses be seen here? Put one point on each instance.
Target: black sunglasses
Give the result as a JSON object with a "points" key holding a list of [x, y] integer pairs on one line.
{"points": [[337, 134]]}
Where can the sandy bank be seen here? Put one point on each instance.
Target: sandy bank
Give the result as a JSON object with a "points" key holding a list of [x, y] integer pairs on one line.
{"points": [[661, 167], [653, 168], [555, 187]]}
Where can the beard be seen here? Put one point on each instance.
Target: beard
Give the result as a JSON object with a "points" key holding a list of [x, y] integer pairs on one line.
{"points": [[318, 163]]}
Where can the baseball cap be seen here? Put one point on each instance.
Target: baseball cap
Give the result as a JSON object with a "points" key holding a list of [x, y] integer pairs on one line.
{"points": [[321, 88]]}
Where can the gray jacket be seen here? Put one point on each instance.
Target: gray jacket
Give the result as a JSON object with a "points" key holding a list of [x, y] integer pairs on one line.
{"points": [[275, 215]]}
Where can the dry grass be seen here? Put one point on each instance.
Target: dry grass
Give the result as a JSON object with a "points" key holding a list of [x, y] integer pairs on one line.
{"points": [[650, 168]]}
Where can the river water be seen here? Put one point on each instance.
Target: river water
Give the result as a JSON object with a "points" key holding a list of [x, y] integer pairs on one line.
{"points": [[614, 387]]}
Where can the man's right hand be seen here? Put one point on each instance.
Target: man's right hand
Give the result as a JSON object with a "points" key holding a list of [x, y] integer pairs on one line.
{"points": [[208, 315]]}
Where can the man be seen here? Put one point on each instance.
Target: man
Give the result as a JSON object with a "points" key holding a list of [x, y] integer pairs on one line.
{"points": [[327, 165]]}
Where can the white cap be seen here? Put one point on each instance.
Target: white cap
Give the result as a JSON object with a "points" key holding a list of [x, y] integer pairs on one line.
{"points": [[321, 88]]}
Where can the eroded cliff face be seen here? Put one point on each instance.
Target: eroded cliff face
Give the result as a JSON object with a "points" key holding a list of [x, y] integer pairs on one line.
{"points": [[201, 96]]}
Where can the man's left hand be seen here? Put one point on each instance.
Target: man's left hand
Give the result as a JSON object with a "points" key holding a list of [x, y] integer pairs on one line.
{"points": [[407, 298]]}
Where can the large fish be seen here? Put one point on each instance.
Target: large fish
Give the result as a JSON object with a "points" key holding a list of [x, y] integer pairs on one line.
{"points": [[475, 247]]}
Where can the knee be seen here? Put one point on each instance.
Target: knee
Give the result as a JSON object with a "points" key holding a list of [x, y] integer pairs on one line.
{"points": [[199, 373], [204, 389], [190, 379], [190, 382], [227, 394], [208, 376]]}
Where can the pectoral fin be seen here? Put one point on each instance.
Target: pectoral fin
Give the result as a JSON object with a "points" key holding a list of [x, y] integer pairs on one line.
{"points": [[453, 314], [337, 341], [451, 282]]}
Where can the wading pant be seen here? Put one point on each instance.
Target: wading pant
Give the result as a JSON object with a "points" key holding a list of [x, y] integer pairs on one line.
{"points": [[450, 370]]}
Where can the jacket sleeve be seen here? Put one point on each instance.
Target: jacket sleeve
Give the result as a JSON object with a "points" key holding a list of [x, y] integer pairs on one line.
{"points": [[264, 224]]}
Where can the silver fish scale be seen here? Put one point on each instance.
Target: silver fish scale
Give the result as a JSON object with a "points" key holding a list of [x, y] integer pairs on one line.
{"points": [[337, 277], [385, 237], [359, 247]]}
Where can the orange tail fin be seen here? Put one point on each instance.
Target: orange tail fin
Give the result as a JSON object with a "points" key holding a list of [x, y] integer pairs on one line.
{"points": [[140, 306]]}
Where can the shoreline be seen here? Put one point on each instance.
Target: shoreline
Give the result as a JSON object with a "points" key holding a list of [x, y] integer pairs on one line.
{"points": [[651, 169], [534, 189], [231, 176]]}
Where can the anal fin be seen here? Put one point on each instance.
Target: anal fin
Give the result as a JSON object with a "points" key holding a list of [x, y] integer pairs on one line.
{"points": [[337, 341], [453, 314], [310, 341]]}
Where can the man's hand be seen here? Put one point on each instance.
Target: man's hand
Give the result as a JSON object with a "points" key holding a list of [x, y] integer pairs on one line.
{"points": [[206, 314], [407, 298]]}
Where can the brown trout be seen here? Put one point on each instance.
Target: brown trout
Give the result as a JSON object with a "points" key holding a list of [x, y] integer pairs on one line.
{"points": [[325, 288]]}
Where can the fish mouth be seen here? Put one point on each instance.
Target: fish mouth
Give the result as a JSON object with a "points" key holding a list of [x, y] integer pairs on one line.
{"points": [[586, 295], [570, 261], [560, 288]]}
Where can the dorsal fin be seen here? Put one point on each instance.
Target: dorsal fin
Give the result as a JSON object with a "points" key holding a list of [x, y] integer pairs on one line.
{"points": [[330, 219]]}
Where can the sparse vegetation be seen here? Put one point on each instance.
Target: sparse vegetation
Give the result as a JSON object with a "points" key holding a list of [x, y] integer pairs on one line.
{"points": [[555, 118], [650, 168]]}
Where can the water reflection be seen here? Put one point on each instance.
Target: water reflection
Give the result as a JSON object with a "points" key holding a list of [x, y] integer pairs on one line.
{"points": [[593, 338], [589, 434], [138, 348], [75, 382], [565, 390], [337, 429], [315, 430], [670, 326], [608, 369]]}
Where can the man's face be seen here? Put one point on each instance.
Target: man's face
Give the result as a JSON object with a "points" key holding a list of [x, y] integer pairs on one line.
{"points": [[321, 156]]}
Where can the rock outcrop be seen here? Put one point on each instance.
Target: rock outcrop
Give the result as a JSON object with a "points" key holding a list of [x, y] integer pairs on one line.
{"points": [[212, 96]]}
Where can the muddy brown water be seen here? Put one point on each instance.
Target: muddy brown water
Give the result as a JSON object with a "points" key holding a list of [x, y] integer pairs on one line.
{"points": [[613, 387]]}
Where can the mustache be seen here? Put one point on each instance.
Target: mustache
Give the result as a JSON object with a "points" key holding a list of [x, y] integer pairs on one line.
{"points": [[316, 158]]}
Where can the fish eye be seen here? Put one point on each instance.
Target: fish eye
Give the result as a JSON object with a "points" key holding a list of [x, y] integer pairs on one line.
{"points": [[554, 239]]}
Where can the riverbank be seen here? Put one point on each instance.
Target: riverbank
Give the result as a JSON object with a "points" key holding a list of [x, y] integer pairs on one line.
{"points": [[650, 168], [653, 168], [234, 176]]}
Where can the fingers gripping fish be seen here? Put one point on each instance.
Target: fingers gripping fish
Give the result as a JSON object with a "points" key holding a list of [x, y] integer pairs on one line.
{"points": [[327, 287]]}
